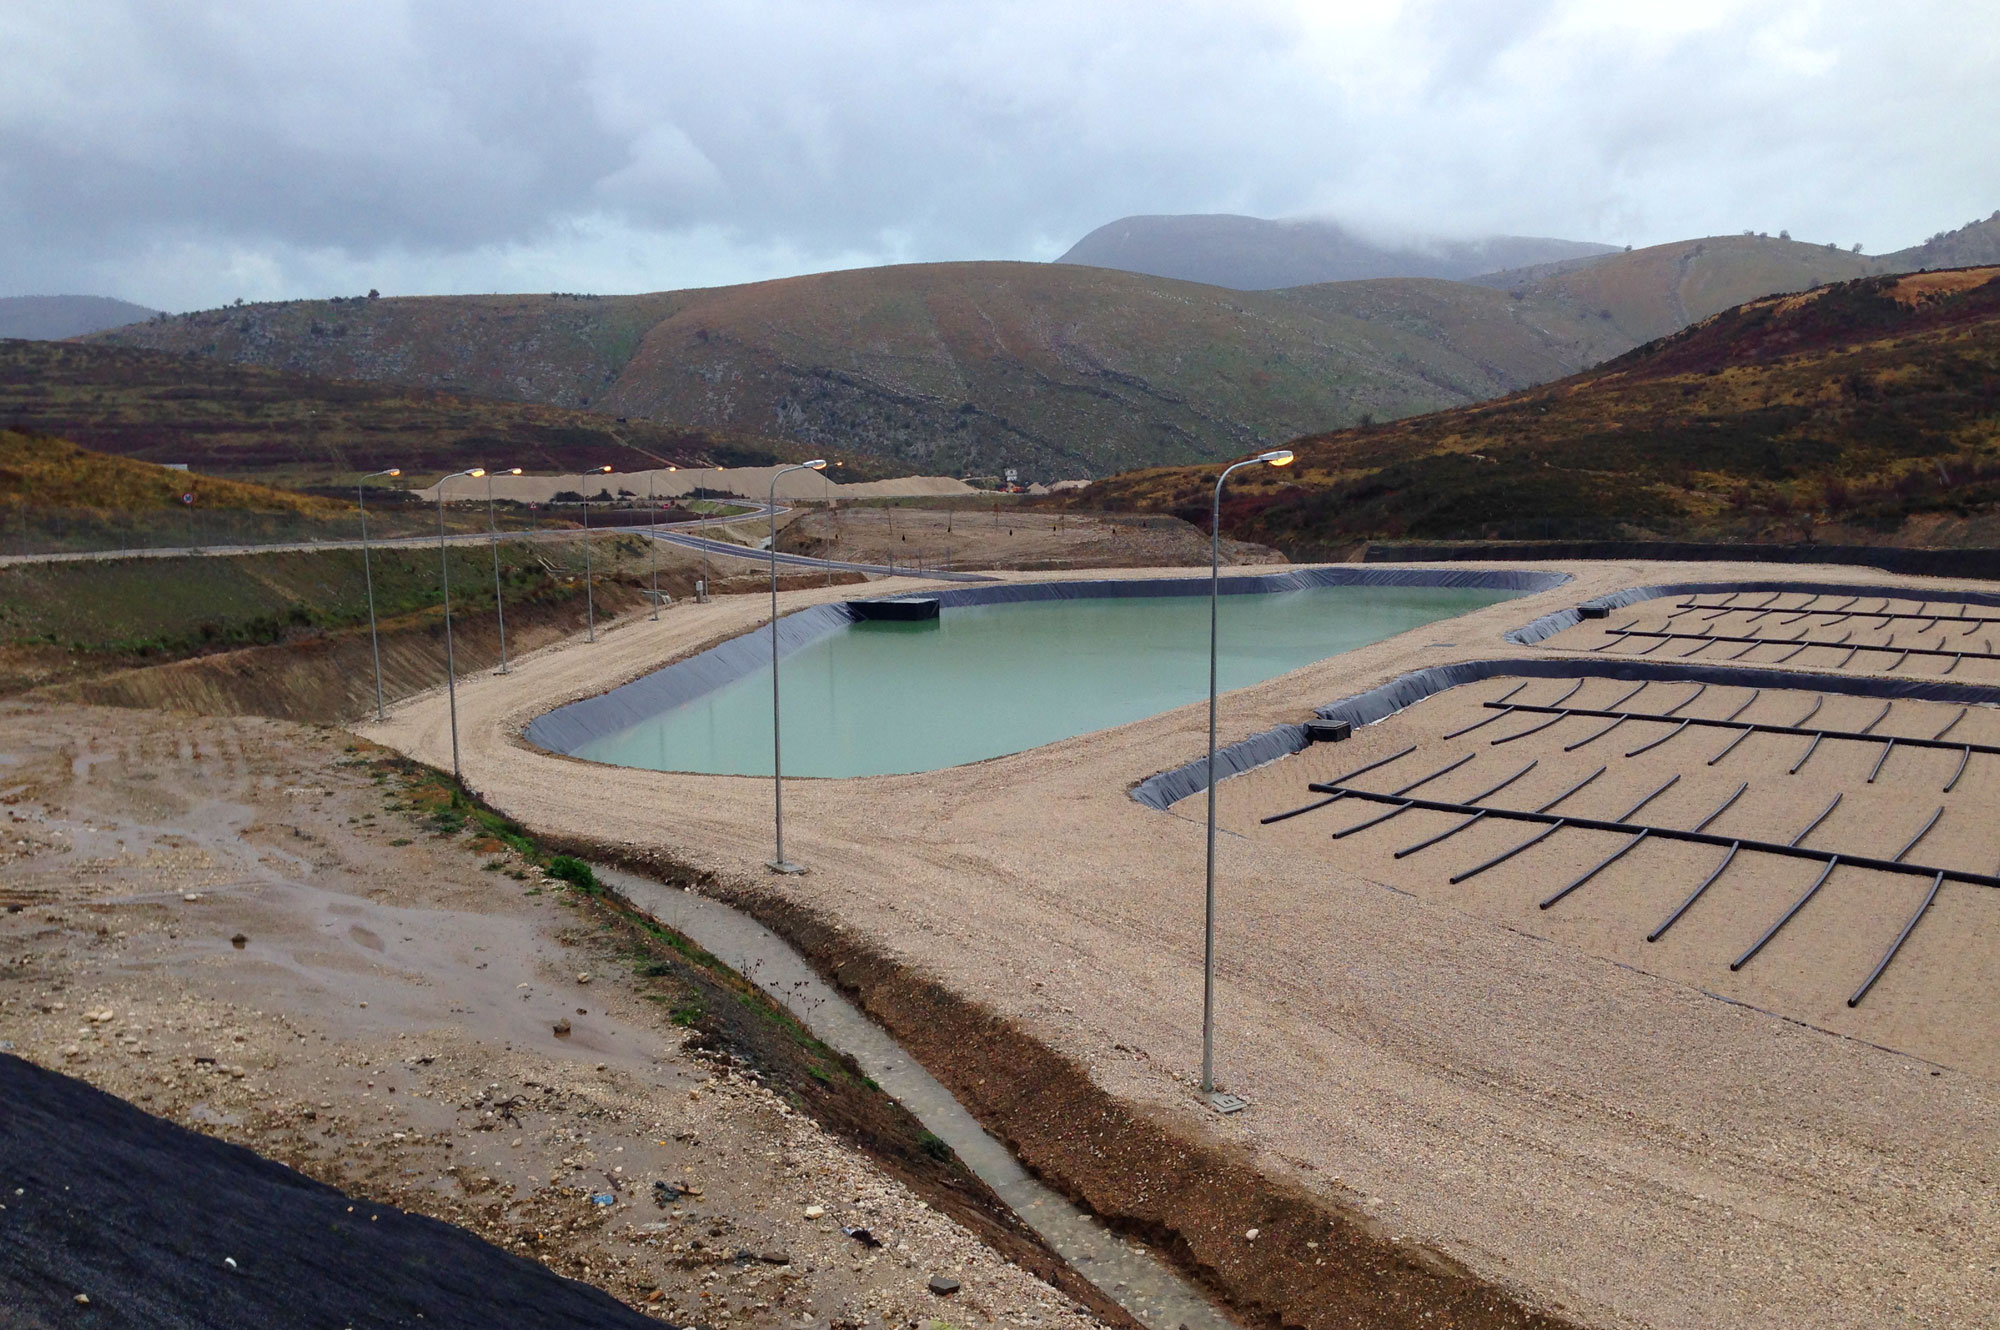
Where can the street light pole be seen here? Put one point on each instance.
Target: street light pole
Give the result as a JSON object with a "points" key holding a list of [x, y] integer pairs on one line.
{"points": [[653, 539], [589, 589], [444, 572], [1221, 1103], [493, 528], [780, 864], [368, 575]]}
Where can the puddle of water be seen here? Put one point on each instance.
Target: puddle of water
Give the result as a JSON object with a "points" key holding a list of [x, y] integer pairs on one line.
{"points": [[878, 698], [1152, 1292]]}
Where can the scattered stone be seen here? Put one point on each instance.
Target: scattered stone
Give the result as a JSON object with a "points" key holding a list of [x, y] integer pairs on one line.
{"points": [[775, 1258], [240, 941], [862, 1236], [1251, 1234], [815, 1212], [83, 1299], [943, 1286], [562, 1025], [191, 896], [583, 978], [665, 1194]]}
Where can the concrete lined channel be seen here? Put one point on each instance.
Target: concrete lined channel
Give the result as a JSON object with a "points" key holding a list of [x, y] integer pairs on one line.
{"points": [[1138, 1281]]}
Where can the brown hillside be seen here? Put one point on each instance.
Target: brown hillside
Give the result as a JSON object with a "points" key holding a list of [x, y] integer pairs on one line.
{"points": [[1870, 409], [1058, 369], [293, 429], [1648, 293]]}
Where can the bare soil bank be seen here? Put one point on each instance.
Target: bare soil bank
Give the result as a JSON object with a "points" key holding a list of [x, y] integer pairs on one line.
{"points": [[1274, 1254], [1005, 535], [264, 933]]}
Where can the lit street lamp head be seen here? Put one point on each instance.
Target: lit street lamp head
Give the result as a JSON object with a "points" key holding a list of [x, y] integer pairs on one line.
{"points": [[1278, 457], [817, 464]]}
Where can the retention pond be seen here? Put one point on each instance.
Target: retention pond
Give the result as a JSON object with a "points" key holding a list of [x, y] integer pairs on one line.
{"points": [[999, 671]]}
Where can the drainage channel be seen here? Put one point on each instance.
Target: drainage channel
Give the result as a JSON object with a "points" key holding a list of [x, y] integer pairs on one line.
{"points": [[1139, 1282]]}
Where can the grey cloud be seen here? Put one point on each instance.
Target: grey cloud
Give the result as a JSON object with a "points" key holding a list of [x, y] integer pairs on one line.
{"points": [[186, 154]]}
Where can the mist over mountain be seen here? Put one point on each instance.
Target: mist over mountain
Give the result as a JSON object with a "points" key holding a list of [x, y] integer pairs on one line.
{"points": [[56, 317], [1256, 254]]}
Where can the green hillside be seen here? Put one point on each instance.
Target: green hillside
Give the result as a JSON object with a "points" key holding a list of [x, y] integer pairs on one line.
{"points": [[1866, 411]]}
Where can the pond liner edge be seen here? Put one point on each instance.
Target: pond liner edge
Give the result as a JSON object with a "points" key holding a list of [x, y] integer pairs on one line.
{"points": [[567, 728]]}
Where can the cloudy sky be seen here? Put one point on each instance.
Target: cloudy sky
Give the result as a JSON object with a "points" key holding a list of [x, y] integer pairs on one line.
{"points": [[185, 154]]}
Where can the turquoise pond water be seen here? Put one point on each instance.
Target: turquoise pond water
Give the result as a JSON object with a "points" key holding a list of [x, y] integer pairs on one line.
{"points": [[981, 681]]}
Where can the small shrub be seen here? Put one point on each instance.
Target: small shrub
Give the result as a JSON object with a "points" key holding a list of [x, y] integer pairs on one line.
{"points": [[573, 871]]}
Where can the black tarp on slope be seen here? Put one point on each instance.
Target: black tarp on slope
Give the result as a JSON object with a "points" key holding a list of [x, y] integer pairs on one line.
{"points": [[138, 1214]]}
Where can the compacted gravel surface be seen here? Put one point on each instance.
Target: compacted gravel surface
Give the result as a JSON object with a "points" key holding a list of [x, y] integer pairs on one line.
{"points": [[1610, 1139]]}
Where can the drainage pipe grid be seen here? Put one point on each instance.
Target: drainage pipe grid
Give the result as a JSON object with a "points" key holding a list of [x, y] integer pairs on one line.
{"points": [[1556, 821], [1803, 612], [1801, 643], [1633, 844], [1746, 728], [1548, 625], [1637, 833]]}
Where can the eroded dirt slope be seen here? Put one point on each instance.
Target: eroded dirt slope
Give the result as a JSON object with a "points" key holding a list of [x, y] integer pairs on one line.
{"points": [[274, 935]]}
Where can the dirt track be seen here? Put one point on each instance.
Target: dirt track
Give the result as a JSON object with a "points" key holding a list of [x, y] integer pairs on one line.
{"points": [[1615, 1144]]}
